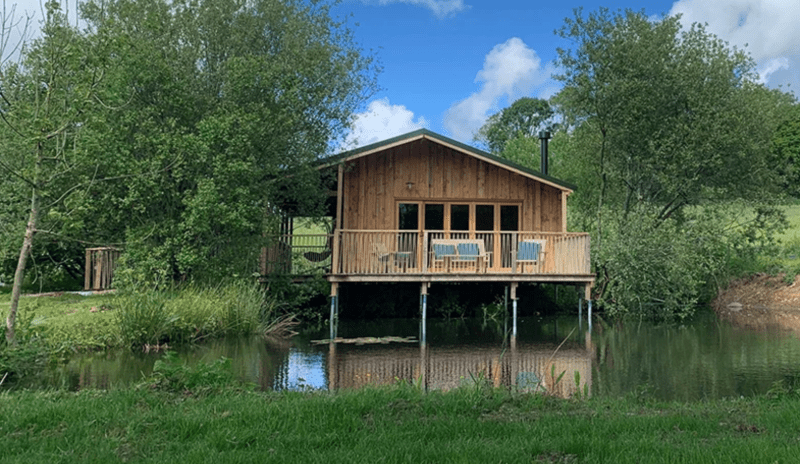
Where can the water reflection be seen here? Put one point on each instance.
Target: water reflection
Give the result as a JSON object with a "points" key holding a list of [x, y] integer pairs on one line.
{"points": [[519, 365], [704, 359]]}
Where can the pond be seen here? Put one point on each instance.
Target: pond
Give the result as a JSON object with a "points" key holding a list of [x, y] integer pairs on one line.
{"points": [[706, 358]]}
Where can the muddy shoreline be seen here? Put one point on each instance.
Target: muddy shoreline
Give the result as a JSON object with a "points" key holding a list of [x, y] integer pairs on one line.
{"points": [[761, 302]]}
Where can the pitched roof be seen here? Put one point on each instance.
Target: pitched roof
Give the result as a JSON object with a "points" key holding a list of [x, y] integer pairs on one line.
{"points": [[463, 148]]}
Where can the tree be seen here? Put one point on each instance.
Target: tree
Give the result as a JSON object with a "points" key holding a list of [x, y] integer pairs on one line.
{"points": [[50, 99], [523, 119], [661, 119], [231, 102], [205, 113], [786, 146]]}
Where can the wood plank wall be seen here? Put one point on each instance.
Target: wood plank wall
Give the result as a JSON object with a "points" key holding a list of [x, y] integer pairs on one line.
{"points": [[374, 184]]}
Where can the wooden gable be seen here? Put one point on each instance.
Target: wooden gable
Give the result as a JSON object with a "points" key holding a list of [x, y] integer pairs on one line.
{"points": [[424, 169]]}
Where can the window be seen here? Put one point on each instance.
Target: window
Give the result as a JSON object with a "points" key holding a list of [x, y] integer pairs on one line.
{"points": [[484, 217], [509, 217], [434, 217], [408, 218], [459, 217]]}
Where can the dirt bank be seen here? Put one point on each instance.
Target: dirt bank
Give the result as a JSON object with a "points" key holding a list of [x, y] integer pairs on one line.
{"points": [[761, 301]]}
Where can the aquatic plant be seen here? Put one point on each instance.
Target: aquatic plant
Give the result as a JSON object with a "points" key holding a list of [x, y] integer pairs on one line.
{"points": [[173, 375]]}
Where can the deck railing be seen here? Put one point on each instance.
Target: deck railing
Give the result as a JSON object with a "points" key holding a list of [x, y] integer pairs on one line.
{"points": [[297, 254], [404, 252], [397, 252]]}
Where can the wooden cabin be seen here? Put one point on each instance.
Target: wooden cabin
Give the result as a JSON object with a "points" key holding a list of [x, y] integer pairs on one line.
{"points": [[421, 207]]}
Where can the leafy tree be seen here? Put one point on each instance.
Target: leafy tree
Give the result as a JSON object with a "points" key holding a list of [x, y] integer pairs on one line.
{"points": [[662, 121], [50, 99], [522, 120], [206, 114], [786, 146], [232, 101]]}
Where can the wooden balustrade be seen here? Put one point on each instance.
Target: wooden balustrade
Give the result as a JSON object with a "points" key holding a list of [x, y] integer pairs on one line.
{"points": [[297, 253], [398, 252], [391, 252]]}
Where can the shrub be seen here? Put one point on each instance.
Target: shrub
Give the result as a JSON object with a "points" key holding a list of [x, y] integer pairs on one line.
{"points": [[172, 375]]}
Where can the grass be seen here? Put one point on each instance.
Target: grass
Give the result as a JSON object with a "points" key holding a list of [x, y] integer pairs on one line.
{"points": [[72, 321], [66, 320], [793, 215], [389, 424]]}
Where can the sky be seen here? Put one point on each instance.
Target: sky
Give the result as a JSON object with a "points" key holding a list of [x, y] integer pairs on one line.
{"points": [[450, 64]]}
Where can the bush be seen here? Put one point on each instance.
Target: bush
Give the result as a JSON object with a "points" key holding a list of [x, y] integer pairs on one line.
{"points": [[172, 375]]}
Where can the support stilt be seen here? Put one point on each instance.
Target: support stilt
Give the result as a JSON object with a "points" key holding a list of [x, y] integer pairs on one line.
{"points": [[424, 310], [589, 309], [514, 305], [334, 309]]}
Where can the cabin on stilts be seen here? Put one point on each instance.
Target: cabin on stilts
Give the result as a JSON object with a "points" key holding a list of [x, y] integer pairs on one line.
{"points": [[423, 208]]}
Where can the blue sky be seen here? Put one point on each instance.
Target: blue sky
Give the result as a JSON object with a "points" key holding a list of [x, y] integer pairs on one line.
{"points": [[449, 64]]}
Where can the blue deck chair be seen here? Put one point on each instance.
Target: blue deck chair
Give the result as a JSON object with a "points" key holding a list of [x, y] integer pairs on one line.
{"points": [[528, 251], [468, 251], [443, 250]]}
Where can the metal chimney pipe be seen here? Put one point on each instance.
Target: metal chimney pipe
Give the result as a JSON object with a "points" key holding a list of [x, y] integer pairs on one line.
{"points": [[544, 136]]}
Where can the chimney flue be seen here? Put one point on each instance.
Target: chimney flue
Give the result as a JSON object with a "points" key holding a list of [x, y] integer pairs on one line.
{"points": [[544, 136]]}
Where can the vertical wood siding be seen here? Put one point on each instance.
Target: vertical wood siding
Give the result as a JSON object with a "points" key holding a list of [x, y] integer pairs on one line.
{"points": [[375, 183]]}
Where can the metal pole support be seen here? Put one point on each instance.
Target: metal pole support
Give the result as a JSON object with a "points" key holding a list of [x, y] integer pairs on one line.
{"points": [[334, 320], [514, 306], [424, 310], [590, 314]]}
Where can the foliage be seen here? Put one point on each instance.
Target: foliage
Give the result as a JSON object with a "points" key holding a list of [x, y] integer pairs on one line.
{"points": [[142, 318], [230, 104], [52, 98], [786, 146], [522, 120], [28, 356], [306, 300], [667, 131], [180, 125], [190, 313], [675, 116], [170, 374]]}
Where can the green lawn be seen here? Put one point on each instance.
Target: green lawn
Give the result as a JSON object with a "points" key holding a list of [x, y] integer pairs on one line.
{"points": [[793, 214], [69, 319], [390, 424]]}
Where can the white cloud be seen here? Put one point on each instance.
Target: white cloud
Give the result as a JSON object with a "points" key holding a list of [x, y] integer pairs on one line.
{"points": [[768, 28], [771, 67], [381, 121], [511, 70], [441, 8]]}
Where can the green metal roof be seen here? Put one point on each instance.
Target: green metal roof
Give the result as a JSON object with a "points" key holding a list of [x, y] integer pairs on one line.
{"points": [[425, 133]]}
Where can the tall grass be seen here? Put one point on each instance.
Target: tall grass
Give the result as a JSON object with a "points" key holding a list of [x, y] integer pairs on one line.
{"points": [[151, 316]]}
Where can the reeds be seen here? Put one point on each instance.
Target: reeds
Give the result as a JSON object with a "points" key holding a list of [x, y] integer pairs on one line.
{"points": [[193, 313]]}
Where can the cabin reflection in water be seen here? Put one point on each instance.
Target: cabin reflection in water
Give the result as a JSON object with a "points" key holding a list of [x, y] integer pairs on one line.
{"points": [[519, 366]]}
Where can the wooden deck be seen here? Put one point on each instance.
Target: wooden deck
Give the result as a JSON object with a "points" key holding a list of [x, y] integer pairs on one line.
{"points": [[409, 256]]}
